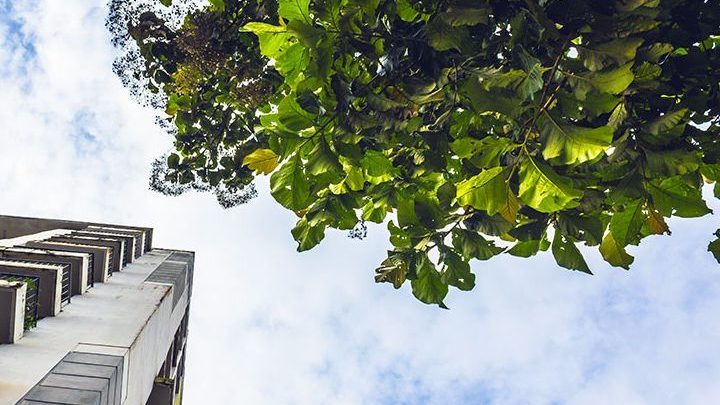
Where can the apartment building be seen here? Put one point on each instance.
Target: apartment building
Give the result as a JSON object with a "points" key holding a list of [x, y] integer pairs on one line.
{"points": [[91, 313]]}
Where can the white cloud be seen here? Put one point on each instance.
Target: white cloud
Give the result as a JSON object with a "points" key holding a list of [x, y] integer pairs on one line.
{"points": [[272, 326]]}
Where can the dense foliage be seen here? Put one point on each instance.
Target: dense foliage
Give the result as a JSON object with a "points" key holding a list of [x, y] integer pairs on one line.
{"points": [[472, 128]]}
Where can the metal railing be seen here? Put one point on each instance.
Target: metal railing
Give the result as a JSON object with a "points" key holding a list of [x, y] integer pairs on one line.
{"points": [[111, 262], [91, 269], [66, 292], [65, 276], [31, 297]]}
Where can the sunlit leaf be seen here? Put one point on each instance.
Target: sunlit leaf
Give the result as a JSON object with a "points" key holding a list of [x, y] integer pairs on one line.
{"points": [[295, 10], [571, 144], [614, 253], [545, 190], [262, 160]]}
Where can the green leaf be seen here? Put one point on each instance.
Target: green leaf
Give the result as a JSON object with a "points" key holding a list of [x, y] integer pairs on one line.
{"points": [[618, 116], [492, 78], [443, 36], [613, 81], [670, 163], [393, 270], [711, 172], [376, 164], [647, 73], [532, 82], [428, 286], [292, 116], [455, 16], [173, 161], [525, 248], [368, 6], [405, 11], [306, 235], [500, 100], [630, 5], [494, 225], [487, 191], [355, 179], [261, 160], [597, 104], [428, 212], [405, 205], [567, 254], [544, 190], [398, 237], [218, 5], [473, 245], [532, 230], [714, 247], [654, 52], [375, 212], [260, 27], [614, 253], [483, 153], [586, 228], [675, 196], [571, 144], [332, 210], [666, 122], [166, 3], [322, 160], [289, 185], [457, 272], [619, 51], [274, 44], [295, 10], [625, 225], [291, 63]]}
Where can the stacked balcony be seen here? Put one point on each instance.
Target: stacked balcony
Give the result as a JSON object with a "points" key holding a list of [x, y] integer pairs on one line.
{"points": [[39, 277]]}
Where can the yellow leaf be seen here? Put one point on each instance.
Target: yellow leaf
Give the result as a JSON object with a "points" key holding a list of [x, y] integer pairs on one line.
{"points": [[262, 160], [656, 223], [510, 209], [614, 253]]}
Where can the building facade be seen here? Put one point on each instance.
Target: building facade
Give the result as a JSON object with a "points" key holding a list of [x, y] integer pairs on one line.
{"points": [[91, 314]]}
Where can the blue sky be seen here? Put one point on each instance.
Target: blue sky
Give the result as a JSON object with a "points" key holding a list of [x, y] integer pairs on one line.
{"points": [[271, 326]]}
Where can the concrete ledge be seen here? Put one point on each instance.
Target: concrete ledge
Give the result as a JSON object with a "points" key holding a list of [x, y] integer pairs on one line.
{"points": [[111, 351], [49, 288], [76, 261], [12, 310], [100, 255], [81, 379], [114, 245]]}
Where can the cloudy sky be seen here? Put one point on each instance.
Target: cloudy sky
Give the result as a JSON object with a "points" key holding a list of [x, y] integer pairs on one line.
{"points": [[271, 326]]}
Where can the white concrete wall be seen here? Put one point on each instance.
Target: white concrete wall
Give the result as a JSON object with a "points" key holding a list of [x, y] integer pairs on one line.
{"points": [[124, 314], [19, 313]]}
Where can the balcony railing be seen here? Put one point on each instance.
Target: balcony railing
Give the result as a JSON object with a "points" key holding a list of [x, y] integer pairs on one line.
{"points": [[31, 297]]}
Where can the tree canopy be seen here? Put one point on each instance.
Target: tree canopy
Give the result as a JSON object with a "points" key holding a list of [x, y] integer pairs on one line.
{"points": [[472, 128]]}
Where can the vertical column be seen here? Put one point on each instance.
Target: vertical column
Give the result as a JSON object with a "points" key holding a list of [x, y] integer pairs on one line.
{"points": [[12, 310]]}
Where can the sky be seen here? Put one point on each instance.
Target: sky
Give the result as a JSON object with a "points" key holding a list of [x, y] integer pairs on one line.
{"points": [[269, 325]]}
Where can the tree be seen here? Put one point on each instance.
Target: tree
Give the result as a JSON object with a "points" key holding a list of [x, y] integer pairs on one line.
{"points": [[472, 128]]}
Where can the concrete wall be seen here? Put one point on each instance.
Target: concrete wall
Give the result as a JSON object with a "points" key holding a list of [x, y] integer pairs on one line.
{"points": [[12, 317], [127, 315], [14, 226], [81, 378]]}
